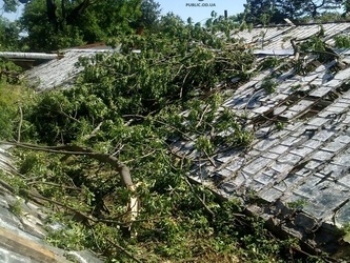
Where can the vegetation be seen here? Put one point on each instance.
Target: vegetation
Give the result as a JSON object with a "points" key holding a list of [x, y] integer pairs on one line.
{"points": [[269, 86], [342, 41], [264, 11], [98, 154], [9, 32], [52, 25]]}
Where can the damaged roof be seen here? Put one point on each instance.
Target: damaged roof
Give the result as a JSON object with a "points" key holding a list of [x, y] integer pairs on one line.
{"points": [[62, 72], [305, 160]]}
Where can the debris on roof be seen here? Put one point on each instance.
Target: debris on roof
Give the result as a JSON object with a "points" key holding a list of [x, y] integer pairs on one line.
{"points": [[22, 235], [301, 151], [298, 164]]}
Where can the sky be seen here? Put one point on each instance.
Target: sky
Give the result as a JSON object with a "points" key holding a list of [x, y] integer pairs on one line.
{"points": [[183, 8]]}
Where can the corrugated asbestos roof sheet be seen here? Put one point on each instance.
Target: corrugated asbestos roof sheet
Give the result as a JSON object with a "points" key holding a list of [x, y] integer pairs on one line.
{"points": [[279, 37], [61, 72], [308, 160]]}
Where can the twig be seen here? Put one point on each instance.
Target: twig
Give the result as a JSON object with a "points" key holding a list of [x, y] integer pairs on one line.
{"points": [[93, 133], [210, 159], [180, 156], [124, 251], [53, 184], [80, 214], [141, 157], [200, 200], [118, 149], [179, 70], [20, 123], [202, 116], [66, 115], [160, 122], [201, 177], [38, 196], [183, 83]]}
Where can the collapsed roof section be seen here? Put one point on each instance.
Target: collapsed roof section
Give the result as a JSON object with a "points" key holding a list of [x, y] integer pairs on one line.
{"points": [[301, 125]]}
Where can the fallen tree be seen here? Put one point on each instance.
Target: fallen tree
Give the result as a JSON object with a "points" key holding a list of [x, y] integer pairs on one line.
{"points": [[75, 150]]}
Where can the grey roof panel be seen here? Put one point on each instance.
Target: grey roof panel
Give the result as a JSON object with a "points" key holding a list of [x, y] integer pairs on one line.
{"points": [[309, 158], [60, 72]]}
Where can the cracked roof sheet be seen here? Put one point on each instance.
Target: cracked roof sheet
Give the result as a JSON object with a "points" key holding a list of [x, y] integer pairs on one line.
{"points": [[308, 160]]}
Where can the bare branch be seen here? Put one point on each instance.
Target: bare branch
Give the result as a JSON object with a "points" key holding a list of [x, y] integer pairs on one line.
{"points": [[20, 123], [66, 115], [93, 133], [202, 116]]}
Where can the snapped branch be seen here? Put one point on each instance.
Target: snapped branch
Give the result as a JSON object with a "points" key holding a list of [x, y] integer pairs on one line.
{"points": [[76, 150]]}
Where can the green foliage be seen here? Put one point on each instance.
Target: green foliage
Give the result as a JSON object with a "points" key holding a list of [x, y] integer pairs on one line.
{"points": [[270, 62], [150, 14], [10, 5], [131, 106], [264, 11], [41, 34], [97, 22], [269, 86], [168, 70], [9, 35], [330, 17], [299, 67], [342, 41], [16, 207], [297, 205], [346, 233], [280, 125], [315, 44], [10, 100], [136, 100]]}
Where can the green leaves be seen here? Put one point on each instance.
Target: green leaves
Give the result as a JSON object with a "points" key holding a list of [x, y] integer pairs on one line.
{"points": [[130, 106], [9, 35], [342, 41], [10, 5], [95, 21], [264, 12]]}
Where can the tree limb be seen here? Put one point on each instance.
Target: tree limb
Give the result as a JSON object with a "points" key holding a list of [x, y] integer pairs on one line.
{"points": [[123, 170], [20, 123]]}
